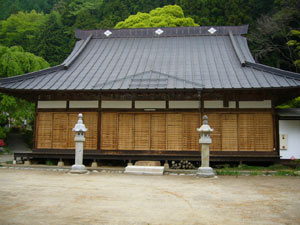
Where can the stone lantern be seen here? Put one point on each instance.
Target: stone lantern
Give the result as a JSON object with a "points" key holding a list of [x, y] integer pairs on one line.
{"points": [[79, 129], [205, 140]]}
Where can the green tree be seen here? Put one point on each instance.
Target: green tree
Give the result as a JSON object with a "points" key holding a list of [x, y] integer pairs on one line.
{"points": [[168, 16], [271, 33], [8, 7], [225, 12], [14, 61], [21, 29], [295, 44], [86, 19], [113, 11], [294, 103], [78, 12], [56, 47]]}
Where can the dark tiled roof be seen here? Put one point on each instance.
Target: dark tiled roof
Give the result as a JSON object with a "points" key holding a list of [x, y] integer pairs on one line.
{"points": [[179, 58], [293, 112]]}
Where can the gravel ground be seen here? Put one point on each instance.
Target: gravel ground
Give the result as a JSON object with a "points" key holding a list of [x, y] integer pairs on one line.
{"points": [[47, 197]]}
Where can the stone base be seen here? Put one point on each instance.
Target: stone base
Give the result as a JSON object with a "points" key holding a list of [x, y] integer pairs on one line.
{"points": [[166, 166], [60, 164], [27, 163], [94, 165], [145, 170], [205, 172], [78, 169], [147, 163]]}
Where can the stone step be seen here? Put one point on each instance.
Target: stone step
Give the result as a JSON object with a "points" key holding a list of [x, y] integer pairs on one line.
{"points": [[147, 163], [145, 170]]}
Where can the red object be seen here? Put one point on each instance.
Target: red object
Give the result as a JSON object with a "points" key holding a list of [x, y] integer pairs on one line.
{"points": [[293, 158], [1, 143]]}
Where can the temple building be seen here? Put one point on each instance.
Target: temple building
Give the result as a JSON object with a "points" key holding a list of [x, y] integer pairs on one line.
{"points": [[143, 92]]}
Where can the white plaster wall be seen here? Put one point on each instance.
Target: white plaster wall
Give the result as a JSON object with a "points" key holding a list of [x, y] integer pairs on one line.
{"points": [[266, 104], [232, 104], [183, 104], [292, 129], [213, 104], [218, 104], [116, 104], [52, 104], [83, 104], [150, 104]]}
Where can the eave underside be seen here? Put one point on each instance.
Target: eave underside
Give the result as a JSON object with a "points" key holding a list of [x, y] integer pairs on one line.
{"points": [[279, 96]]}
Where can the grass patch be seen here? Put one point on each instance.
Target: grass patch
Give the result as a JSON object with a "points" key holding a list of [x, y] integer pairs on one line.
{"points": [[243, 169], [226, 172], [256, 173], [49, 162], [5, 150], [285, 173], [278, 167]]}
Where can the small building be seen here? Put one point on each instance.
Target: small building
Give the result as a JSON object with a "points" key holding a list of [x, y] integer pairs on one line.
{"points": [[143, 92], [289, 133]]}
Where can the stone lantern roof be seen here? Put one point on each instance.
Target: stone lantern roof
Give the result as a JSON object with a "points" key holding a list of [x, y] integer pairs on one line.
{"points": [[80, 127]]}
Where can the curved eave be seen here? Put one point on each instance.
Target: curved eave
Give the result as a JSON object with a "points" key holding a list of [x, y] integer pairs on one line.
{"points": [[52, 70]]}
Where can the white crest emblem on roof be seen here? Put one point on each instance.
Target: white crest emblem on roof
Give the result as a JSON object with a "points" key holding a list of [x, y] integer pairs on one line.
{"points": [[107, 33], [212, 30], [159, 31]]}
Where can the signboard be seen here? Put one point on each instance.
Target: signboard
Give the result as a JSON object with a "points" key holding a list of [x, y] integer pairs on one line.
{"points": [[283, 141]]}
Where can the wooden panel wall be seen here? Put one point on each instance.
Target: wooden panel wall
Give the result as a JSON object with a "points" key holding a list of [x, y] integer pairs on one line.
{"points": [[174, 131], [60, 131], [229, 132], [109, 131], [126, 129], [91, 122], [256, 132], [246, 132], [214, 120], [158, 131], [73, 118], [263, 124], [54, 130], [44, 130], [142, 132], [241, 131], [150, 131], [191, 122]]}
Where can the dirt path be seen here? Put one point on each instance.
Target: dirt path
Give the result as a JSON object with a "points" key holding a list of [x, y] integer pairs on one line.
{"points": [[44, 197]]}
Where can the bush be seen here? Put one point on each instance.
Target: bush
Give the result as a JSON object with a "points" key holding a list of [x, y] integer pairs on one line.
{"points": [[49, 162], [28, 138], [3, 132]]}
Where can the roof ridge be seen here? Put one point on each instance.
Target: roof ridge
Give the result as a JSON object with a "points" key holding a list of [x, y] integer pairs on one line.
{"points": [[258, 66], [50, 69], [163, 32], [79, 51], [236, 49], [275, 71]]}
